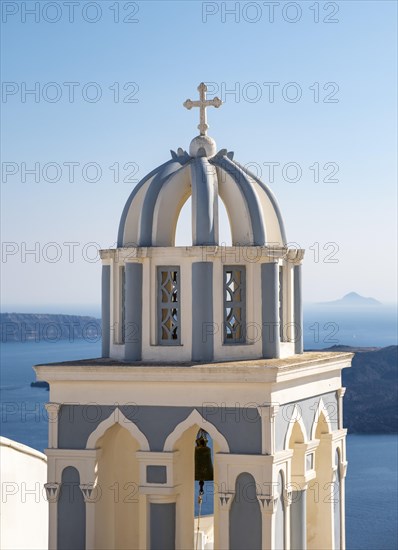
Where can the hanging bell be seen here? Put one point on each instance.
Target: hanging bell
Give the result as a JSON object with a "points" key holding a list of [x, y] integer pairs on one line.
{"points": [[203, 464]]}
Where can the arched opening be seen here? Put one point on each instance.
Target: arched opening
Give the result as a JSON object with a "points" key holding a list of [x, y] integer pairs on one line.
{"points": [[225, 233], [245, 525], [117, 506], [183, 235], [71, 521], [320, 490], [187, 501], [299, 493]]}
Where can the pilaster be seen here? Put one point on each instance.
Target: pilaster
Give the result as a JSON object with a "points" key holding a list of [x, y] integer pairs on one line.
{"points": [[268, 413], [340, 396], [53, 418]]}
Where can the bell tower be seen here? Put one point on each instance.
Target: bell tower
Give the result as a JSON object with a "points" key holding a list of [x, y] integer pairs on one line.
{"points": [[200, 345]]}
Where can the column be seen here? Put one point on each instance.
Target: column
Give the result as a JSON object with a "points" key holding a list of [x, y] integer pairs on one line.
{"points": [[288, 502], [270, 310], [298, 310], [202, 311], [90, 495], [268, 509], [222, 535], [133, 312], [52, 491], [106, 309]]}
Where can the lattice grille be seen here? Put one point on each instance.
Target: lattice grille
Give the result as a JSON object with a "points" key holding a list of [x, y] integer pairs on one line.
{"points": [[234, 305], [169, 305]]}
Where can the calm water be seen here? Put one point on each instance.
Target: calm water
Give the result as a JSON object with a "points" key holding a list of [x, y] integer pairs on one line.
{"points": [[326, 326], [372, 471]]}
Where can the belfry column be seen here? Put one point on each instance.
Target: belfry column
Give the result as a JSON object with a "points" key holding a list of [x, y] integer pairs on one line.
{"points": [[298, 310], [106, 309], [133, 311], [270, 309]]}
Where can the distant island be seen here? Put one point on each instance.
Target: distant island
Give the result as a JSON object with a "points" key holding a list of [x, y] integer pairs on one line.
{"points": [[352, 299], [38, 327]]}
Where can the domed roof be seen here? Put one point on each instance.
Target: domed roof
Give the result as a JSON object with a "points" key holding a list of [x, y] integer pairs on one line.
{"points": [[151, 213]]}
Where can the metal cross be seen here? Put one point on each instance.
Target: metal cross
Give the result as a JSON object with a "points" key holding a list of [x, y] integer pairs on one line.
{"points": [[203, 103]]}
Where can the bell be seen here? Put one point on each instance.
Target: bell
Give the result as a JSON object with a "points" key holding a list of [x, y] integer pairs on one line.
{"points": [[203, 464]]}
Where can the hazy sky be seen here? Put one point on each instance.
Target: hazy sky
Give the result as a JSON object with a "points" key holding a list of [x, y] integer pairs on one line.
{"points": [[309, 89]]}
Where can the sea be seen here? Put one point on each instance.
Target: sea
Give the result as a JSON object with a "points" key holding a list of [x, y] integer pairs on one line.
{"points": [[371, 483]]}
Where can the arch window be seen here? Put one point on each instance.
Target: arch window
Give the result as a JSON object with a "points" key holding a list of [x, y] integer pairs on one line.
{"points": [[169, 322], [234, 304]]}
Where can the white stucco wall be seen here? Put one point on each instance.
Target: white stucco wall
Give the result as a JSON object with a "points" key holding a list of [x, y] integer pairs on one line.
{"points": [[23, 507]]}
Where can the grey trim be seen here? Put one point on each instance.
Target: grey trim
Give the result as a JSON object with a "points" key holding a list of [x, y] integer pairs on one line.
{"points": [[270, 316], [202, 311], [298, 535], [306, 410], [298, 310], [169, 306], [237, 307], [151, 196], [71, 513], [133, 312], [245, 523], [106, 309], [204, 203], [241, 426], [156, 474], [271, 197], [162, 526], [249, 194], [120, 235]]}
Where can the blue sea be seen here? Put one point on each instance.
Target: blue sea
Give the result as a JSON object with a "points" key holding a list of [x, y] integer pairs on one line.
{"points": [[371, 484]]}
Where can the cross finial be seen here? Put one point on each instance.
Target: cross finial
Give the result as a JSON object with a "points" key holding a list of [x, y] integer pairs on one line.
{"points": [[203, 103]]}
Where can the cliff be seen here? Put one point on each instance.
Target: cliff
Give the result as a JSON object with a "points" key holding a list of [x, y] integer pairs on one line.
{"points": [[23, 327], [370, 402]]}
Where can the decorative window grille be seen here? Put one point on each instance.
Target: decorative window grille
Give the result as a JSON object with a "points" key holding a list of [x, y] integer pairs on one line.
{"points": [[234, 304], [122, 283], [281, 319], [169, 327]]}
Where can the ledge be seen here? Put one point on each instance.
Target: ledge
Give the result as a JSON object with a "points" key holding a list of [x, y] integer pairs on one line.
{"points": [[252, 371]]}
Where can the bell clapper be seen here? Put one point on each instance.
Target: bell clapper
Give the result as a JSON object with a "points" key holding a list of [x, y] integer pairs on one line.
{"points": [[203, 471]]}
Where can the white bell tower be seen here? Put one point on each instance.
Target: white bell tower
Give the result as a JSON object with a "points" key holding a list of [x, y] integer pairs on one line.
{"points": [[201, 337]]}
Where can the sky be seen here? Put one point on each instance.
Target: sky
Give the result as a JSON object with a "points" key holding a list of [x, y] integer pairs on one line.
{"points": [[92, 97]]}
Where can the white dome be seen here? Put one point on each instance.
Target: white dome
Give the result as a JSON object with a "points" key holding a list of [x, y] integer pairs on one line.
{"points": [[151, 213]]}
